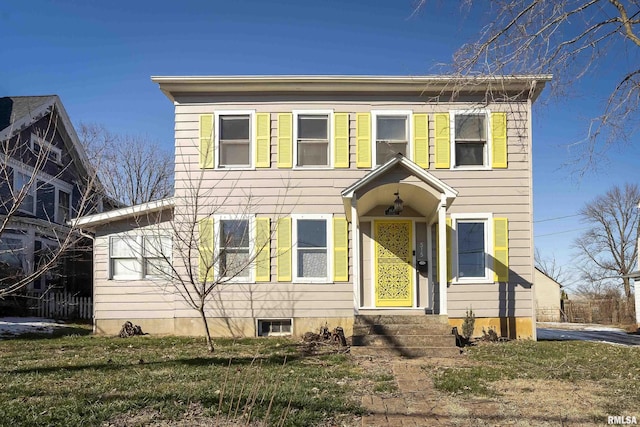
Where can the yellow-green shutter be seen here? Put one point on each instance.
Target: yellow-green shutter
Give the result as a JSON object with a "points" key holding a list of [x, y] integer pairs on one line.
{"points": [[363, 140], [421, 140], [284, 249], [206, 249], [341, 140], [263, 140], [499, 140], [206, 141], [285, 140], [442, 140], [263, 249], [340, 250], [501, 249], [449, 251]]}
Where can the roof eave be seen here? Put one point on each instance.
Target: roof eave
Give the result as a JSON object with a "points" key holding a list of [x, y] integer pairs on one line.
{"points": [[95, 220]]}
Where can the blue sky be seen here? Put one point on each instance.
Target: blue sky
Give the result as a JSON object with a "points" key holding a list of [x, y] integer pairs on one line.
{"points": [[98, 57]]}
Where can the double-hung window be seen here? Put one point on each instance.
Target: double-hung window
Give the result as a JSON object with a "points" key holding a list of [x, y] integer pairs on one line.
{"points": [[138, 257], [472, 243], [470, 138], [234, 251], [21, 187], [312, 139], [64, 206], [234, 140], [311, 238], [391, 135], [12, 254]]}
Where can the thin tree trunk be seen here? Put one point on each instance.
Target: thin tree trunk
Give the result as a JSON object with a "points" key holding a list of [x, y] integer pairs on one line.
{"points": [[203, 316]]}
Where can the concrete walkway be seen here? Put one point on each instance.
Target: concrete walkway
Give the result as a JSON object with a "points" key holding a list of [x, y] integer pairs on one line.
{"points": [[415, 404]]}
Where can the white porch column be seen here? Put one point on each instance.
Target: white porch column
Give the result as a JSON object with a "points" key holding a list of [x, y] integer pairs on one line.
{"points": [[355, 254], [442, 253]]}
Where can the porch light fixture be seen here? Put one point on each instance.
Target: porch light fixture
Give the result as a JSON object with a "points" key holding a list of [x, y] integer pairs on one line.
{"points": [[397, 207]]}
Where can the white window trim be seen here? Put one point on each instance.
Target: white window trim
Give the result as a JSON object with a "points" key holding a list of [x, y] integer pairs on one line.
{"points": [[57, 204], [487, 218], [252, 137], [294, 239], [452, 128], [217, 221], [330, 129], [31, 190], [48, 146], [272, 319], [139, 238], [374, 131]]}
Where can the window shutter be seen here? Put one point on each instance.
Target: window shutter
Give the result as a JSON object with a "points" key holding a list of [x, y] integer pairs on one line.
{"points": [[499, 140], [421, 140], [263, 248], [363, 140], [341, 140], [206, 141], [285, 140], [284, 249], [449, 251], [206, 249], [442, 140], [263, 140], [340, 250], [501, 249]]}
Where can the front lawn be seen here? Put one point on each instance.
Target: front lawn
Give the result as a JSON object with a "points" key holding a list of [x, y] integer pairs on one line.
{"points": [[87, 380]]}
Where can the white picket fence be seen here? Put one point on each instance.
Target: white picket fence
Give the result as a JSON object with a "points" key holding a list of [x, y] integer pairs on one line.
{"points": [[60, 305]]}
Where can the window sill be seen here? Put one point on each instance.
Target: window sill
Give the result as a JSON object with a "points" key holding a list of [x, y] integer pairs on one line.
{"points": [[300, 280], [234, 168], [472, 168], [473, 281]]}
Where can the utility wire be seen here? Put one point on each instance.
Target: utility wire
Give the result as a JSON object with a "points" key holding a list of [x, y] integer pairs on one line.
{"points": [[562, 232], [556, 218]]}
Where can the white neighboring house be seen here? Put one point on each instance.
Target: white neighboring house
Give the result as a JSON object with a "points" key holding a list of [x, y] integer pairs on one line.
{"points": [[548, 294]]}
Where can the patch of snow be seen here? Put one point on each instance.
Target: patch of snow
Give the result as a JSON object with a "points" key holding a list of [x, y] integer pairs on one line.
{"points": [[578, 326], [14, 326]]}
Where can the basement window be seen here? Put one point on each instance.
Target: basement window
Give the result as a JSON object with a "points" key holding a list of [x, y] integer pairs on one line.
{"points": [[274, 327]]}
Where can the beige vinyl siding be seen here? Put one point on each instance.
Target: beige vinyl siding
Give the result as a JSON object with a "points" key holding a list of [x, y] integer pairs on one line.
{"points": [[502, 192]]}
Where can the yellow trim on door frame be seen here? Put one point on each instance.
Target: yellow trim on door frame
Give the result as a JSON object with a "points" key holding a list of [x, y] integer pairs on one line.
{"points": [[409, 301]]}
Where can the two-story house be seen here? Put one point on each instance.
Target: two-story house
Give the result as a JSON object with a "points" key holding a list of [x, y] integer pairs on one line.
{"points": [[382, 195], [44, 176]]}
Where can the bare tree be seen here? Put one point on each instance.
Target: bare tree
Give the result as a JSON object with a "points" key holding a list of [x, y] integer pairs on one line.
{"points": [[551, 267], [31, 169], [572, 39], [608, 250], [133, 169]]}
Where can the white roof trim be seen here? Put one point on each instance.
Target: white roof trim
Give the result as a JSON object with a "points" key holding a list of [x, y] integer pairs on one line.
{"points": [[26, 120], [416, 170], [91, 221]]}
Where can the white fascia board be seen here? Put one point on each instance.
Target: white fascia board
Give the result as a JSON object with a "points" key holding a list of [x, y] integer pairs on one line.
{"points": [[90, 221]]}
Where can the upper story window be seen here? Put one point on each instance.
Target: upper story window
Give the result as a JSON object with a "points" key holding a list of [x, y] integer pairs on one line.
{"points": [[234, 140], [470, 139], [64, 206], [311, 248], [21, 188], [312, 138], [391, 135], [41, 147]]}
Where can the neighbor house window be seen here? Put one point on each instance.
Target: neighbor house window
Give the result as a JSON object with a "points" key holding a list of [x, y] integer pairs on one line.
{"points": [[391, 136], [472, 244], [20, 183], [137, 257], [311, 243], [64, 206], [470, 139], [12, 256], [42, 147], [234, 251], [274, 327], [234, 140], [312, 140]]}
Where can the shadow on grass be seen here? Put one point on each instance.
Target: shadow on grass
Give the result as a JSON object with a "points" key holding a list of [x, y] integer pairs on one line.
{"points": [[273, 360]]}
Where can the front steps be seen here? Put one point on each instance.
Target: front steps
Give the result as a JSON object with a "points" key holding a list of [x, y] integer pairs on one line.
{"points": [[403, 335]]}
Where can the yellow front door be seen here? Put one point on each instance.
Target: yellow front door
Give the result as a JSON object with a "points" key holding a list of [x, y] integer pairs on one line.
{"points": [[392, 258]]}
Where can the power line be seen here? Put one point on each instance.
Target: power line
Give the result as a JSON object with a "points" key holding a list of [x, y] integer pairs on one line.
{"points": [[556, 218], [561, 232]]}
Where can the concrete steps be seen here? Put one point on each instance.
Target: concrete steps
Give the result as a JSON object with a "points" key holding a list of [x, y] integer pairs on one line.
{"points": [[403, 335]]}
